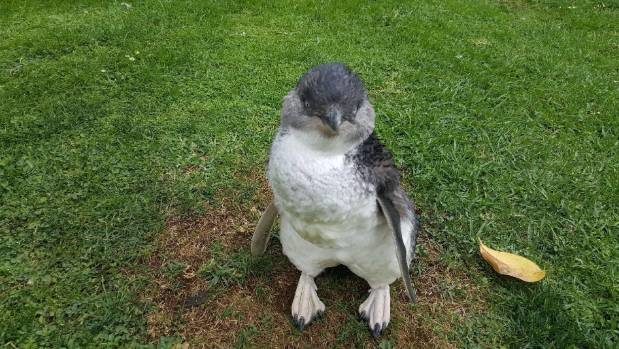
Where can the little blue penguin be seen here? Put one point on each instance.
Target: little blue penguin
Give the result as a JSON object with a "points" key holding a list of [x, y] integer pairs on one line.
{"points": [[337, 191]]}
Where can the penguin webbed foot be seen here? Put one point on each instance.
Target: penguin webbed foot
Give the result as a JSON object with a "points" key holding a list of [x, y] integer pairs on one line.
{"points": [[376, 309], [306, 306]]}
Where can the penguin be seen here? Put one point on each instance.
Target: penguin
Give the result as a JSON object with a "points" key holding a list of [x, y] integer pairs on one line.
{"points": [[338, 194]]}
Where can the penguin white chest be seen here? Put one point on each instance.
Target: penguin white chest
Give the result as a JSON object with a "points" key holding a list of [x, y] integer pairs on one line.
{"points": [[320, 193]]}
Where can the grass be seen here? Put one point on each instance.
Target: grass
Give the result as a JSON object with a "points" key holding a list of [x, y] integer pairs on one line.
{"points": [[133, 136]]}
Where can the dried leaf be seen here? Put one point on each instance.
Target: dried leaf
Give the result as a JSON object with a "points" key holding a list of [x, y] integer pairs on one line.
{"points": [[511, 264]]}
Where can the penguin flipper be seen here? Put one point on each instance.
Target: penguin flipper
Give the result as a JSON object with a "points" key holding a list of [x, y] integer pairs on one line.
{"points": [[393, 219], [262, 234]]}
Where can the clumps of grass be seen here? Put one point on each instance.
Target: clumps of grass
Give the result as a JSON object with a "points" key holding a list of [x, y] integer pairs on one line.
{"points": [[173, 269], [173, 272], [224, 269], [245, 336], [353, 332], [386, 344]]}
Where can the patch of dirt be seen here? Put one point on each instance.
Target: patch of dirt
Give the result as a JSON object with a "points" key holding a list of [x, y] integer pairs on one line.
{"points": [[255, 311]]}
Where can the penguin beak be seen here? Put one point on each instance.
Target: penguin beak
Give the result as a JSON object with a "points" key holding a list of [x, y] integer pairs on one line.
{"points": [[333, 119]]}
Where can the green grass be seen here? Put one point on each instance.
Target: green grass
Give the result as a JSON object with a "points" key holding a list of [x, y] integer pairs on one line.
{"points": [[503, 116], [229, 270]]}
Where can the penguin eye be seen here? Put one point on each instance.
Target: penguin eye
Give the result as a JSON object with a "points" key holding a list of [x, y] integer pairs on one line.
{"points": [[306, 104]]}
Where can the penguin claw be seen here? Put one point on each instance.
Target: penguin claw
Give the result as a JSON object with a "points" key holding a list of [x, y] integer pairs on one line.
{"points": [[301, 323], [377, 331]]}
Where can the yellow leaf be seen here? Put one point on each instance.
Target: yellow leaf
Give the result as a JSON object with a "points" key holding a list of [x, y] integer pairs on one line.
{"points": [[511, 264]]}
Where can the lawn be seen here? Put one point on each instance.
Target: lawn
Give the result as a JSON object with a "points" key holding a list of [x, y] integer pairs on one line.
{"points": [[134, 138]]}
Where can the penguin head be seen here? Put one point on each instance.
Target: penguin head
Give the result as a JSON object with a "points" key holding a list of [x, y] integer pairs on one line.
{"points": [[329, 102]]}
